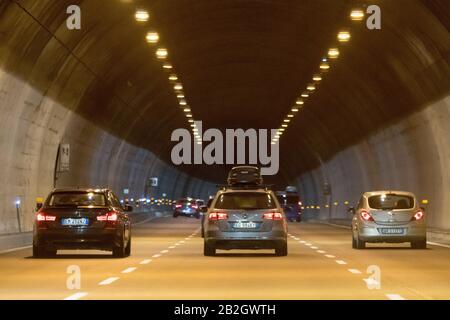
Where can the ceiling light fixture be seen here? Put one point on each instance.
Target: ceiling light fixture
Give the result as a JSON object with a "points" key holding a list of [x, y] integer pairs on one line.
{"points": [[173, 77], [344, 36], [141, 15], [178, 86], [294, 109], [152, 37], [161, 53], [333, 53], [311, 87], [317, 77], [324, 66], [357, 15]]}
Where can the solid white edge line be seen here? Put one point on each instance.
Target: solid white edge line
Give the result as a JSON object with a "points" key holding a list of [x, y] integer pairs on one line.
{"points": [[394, 296], [15, 249], [76, 296], [129, 270], [438, 244], [108, 281]]}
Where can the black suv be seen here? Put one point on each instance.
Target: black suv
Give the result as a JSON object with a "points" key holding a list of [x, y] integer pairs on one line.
{"points": [[82, 219]]}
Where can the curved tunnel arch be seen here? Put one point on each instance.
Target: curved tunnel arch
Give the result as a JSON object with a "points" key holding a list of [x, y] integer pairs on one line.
{"points": [[378, 120]]}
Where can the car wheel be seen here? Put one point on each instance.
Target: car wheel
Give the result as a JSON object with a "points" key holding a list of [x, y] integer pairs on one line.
{"points": [[128, 248], [421, 244], [203, 233], [119, 251], [298, 219], [354, 244], [38, 252], [175, 215], [208, 250], [281, 250], [360, 244]]}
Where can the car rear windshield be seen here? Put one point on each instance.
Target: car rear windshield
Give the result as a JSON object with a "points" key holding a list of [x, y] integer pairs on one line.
{"points": [[391, 202], [60, 199], [245, 201]]}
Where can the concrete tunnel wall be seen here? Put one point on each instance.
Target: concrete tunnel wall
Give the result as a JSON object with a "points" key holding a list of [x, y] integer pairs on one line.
{"points": [[411, 155], [32, 127]]}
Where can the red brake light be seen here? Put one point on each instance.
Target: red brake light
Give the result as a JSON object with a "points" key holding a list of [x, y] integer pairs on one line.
{"points": [[418, 215], [273, 216], [110, 216], [41, 216], [214, 216], [194, 206], [366, 216], [178, 206]]}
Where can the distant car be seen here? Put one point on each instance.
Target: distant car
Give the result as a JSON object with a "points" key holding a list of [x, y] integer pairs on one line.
{"points": [[388, 216], [247, 175], [82, 219], [186, 207], [245, 219], [290, 202]]}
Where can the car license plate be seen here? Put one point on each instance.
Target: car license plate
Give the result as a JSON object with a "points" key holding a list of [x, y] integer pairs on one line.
{"points": [[75, 222], [392, 230], [245, 225]]}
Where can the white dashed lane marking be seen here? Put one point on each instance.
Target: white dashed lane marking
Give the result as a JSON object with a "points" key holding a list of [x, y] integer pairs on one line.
{"points": [[172, 247], [129, 270], [315, 248], [108, 281], [156, 255], [394, 296], [330, 256], [320, 251], [164, 251], [76, 296], [354, 271], [341, 262], [146, 261]]}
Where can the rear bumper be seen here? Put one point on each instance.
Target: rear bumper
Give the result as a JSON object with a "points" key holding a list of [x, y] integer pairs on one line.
{"points": [[77, 238], [245, 240], [186, 212]]}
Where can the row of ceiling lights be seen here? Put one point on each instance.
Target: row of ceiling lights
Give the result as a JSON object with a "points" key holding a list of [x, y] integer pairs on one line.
{"points": [[333, 53], [152, 37]]}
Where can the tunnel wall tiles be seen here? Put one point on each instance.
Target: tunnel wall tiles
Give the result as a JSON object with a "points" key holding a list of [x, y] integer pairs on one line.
{"points": [[412, 155], [31, 128]]}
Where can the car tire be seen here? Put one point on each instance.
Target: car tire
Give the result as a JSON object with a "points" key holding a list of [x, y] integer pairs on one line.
{"points": [[281, 250], [208, 250], [298, 219], [421, 244], [128, 248], [119, 251], [38, 251], [359, 243], [175, 215]]}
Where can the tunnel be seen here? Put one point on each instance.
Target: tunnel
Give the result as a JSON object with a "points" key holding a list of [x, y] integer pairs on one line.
{"points": [[359, 104]]}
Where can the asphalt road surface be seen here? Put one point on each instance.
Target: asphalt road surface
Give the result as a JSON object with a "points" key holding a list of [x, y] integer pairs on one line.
{"points": [[167, 262]]}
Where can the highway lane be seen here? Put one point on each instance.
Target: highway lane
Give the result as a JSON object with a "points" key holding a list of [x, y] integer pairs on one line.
{"points": [[167, 262]]}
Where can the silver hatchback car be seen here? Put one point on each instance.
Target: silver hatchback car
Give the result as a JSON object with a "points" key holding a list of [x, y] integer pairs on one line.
{"points": [[245, 219], [388, 216]]}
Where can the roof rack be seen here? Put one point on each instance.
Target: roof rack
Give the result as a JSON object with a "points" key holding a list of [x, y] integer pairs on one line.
{"points": [[243, 186]]}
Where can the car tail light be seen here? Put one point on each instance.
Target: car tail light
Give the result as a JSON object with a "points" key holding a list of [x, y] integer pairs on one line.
{"points": [[194, 206], [42, 216], [418, 215], [110, 216], [273, 216], [178, 206], [214, 216], [366, 216]]}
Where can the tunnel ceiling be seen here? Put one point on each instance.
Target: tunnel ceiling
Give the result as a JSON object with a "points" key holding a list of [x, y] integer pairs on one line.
{"points": [[242, 65]]}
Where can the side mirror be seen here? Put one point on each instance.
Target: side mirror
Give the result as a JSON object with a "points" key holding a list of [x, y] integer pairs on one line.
{"points": [[128, 208], [39, 205], [203, 209], [351, 210]]}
